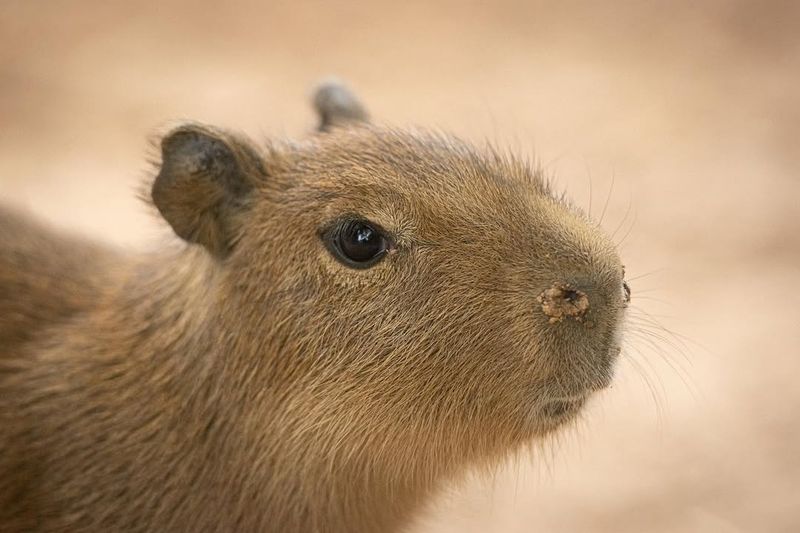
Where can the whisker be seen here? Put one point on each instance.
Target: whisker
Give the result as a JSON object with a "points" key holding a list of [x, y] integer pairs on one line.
{"points": [[653, 333], [677, 336], [625, 218], [608, 197], [630, 229], [650, 273], [666, 356], [652, 299], [655, 336], [646, 291], [658, 397], [589, 173]]}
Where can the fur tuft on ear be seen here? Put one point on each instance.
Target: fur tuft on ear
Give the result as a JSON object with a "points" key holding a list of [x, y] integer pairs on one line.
{"points": [[336, 105], [205, 175]]}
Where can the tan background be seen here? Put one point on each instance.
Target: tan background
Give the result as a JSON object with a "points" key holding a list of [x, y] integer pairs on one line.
{"points": [[693, 112]]}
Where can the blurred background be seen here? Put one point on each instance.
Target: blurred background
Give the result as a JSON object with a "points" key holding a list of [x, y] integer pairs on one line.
{"points": [[677, 123]]}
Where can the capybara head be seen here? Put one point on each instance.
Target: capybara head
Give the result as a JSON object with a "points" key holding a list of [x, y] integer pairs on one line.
{"points": [[401, 299]]}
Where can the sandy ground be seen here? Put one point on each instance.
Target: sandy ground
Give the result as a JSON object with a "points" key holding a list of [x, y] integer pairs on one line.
{"points": [[692, 113]]}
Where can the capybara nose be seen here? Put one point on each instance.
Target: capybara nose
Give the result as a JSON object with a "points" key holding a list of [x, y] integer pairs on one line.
{"points": [[562, 300]]}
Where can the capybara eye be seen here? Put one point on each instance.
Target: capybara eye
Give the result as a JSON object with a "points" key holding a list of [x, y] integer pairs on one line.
{"points": [[358, 243]]}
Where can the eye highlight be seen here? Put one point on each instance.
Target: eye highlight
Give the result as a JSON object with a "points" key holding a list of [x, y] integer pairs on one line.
{"points": [[356, 243]]}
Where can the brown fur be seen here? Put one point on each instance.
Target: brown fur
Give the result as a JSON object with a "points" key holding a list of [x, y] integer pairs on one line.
{"points": [[250, 382]]}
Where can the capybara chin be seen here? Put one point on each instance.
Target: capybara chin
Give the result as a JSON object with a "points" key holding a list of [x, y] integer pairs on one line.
{"points": [[351, 320]]}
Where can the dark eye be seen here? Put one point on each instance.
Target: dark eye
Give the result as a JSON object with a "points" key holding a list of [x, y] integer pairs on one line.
{"points": [[357, 243]]}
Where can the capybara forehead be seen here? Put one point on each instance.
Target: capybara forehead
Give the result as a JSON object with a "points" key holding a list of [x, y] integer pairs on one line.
{"points": [[416, 158], [430, 177]]}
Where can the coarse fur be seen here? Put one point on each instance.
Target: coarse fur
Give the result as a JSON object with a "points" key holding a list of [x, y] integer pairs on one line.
{"points": [[249, 381]]}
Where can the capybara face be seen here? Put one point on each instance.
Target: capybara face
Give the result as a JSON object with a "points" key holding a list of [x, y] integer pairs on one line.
{"points": [[404, 286]]}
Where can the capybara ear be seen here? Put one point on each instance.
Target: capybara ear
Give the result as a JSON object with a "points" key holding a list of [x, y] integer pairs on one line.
{"points": [[205, 176], [336, 106]]}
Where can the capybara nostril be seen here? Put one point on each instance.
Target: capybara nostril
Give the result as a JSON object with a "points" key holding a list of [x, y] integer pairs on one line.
{"points": [[563, 301], [571, 296]]}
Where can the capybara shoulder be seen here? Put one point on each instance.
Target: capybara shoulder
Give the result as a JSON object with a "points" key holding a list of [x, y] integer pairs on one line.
{"points": [[46, 277]]}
